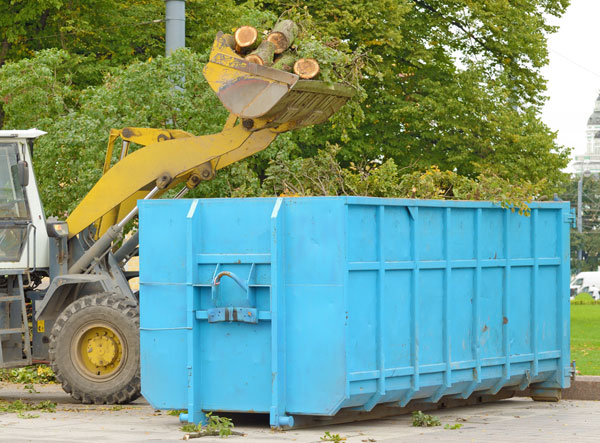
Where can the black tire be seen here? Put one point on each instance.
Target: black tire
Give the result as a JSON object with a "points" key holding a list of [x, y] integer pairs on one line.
{"points": [[109, 320]]}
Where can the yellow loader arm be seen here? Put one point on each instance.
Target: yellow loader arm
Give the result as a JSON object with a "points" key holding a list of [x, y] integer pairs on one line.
{"points": [[263, 102]]}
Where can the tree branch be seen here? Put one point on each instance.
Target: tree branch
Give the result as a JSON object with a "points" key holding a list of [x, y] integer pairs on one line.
{"points": [[4, 47], [459, 25]]}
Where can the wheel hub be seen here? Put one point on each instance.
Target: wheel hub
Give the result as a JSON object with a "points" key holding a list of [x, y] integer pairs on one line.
{"points": [[102, 350], [98, 351]]}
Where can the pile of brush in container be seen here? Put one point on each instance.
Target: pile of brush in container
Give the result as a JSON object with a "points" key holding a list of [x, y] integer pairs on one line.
{"points": [[275, 49]]}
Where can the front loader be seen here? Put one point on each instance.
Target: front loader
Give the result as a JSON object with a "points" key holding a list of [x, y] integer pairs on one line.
{"points": [[84, 313]]}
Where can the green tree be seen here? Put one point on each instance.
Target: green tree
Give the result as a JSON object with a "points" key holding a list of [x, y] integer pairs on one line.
{"points": [[20, 22], [459, 86], [35, 90]]}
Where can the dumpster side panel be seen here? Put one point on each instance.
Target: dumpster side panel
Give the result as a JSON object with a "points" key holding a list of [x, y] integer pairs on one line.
{"points": [[452, 298], [235, 357], [304, 306], [163, 307], [315, 313]]}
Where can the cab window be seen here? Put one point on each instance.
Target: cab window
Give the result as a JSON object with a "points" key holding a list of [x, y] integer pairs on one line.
{"points": [[14, 213], [12, 198]]}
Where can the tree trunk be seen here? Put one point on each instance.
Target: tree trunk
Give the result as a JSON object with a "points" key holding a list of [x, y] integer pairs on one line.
{"points": [[263, 54], [246, 39], [4, 51], [285, 62], [307, 68], [283, 35]]}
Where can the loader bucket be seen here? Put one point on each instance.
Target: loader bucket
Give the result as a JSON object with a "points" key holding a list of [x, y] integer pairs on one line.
{"points": [[251, 91]]}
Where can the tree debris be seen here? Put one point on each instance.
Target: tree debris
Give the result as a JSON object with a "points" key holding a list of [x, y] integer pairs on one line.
{"points": [[307, 68], [246, 39], [283, 35], [263, 55]]}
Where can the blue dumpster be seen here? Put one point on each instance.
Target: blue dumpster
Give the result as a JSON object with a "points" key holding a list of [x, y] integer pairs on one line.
{"points": [[307, 306]]}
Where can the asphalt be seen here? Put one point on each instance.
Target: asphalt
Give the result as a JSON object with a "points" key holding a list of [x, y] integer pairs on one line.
{"points": [[514, 420]]}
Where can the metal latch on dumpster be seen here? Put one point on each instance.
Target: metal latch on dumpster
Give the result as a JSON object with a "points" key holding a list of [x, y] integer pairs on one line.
{"points": [[229, 314]]}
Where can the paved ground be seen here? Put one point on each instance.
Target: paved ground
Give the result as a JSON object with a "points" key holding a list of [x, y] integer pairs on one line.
{"points": [[515, 420]]}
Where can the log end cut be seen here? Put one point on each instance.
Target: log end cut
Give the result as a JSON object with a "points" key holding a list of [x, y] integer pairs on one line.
{"points": [[280, 41], [246, 36], [253, 58], [306, 68]]}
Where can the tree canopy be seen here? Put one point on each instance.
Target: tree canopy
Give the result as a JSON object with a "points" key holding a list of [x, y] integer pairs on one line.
{"points": [[452, 84]]}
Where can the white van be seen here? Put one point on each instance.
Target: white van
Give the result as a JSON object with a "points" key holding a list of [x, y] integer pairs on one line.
{"points": [[585, 280]]}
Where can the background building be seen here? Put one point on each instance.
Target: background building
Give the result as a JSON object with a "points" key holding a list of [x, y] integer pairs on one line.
{"points": [[589, 163]]}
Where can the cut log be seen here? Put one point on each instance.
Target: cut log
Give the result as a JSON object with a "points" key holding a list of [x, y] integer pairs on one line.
{"points": [[246, 39], [285, 62], [283, 35], [306, 68], [263, 55]]}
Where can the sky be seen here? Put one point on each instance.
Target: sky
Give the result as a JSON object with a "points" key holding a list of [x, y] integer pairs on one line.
{"points": [[573, 73]]}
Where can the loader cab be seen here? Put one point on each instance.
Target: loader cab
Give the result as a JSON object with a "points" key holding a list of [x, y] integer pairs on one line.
{"points": [[23, 237]]}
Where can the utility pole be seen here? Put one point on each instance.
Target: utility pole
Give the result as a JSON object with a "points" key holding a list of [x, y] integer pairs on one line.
{"points": [[174, 25], [580, 212]]}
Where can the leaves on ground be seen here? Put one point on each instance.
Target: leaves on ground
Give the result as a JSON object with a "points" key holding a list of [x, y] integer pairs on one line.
{"points": [[20, 406], [221, 426], [336, 438], [420, 419]]}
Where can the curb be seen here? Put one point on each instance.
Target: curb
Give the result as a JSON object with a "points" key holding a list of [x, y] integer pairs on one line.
{"points": [[583, 387]]}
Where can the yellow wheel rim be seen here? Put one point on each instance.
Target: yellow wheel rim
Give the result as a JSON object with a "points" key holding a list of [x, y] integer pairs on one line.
{"points": [[98, 351]]}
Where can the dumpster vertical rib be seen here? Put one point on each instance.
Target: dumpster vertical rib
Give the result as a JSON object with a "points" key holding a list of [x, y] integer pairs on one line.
{"points": [[194, 400], [277, 416], [477, 293], [446, 351], [414, 323], [534, 290], [505, 306], [346, 284], [447, 347], [562, 320], [475, 306], [379, 313]]}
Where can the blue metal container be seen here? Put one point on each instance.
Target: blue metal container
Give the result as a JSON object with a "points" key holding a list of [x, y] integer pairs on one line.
{"points": [[305, 306]]}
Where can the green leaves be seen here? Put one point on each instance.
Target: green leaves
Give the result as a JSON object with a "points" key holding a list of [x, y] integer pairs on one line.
{"points": [[42, 83], [420, 419]]}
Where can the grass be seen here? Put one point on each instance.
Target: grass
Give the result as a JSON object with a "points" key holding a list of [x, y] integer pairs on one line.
{"points": [[585, 334]]}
